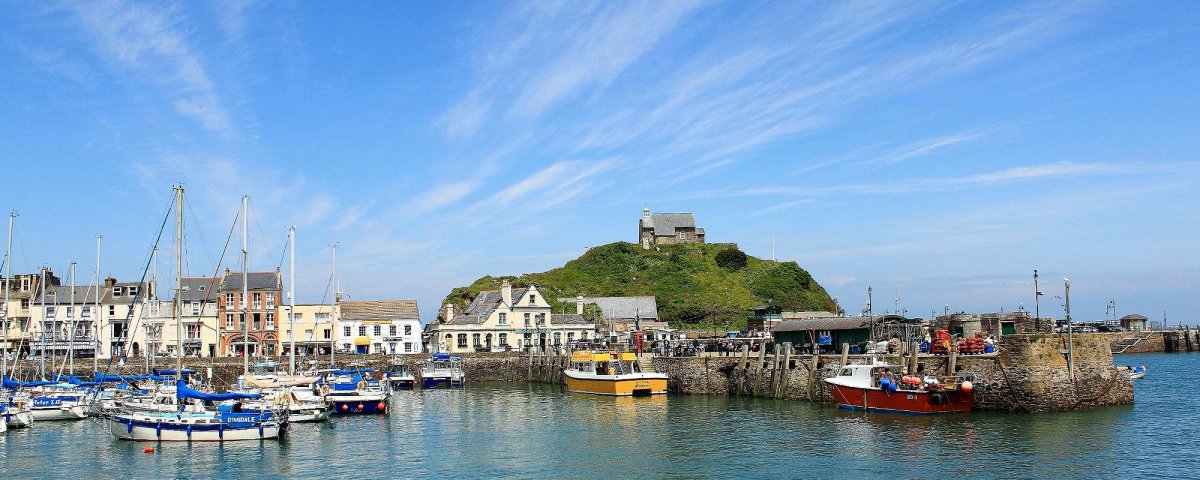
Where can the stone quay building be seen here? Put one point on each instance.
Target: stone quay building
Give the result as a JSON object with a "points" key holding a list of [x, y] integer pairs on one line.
{"points": [[668, 229]]}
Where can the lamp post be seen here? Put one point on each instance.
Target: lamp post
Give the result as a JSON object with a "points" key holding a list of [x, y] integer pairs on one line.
{"points": [[1070, 337], [1037, 313]]}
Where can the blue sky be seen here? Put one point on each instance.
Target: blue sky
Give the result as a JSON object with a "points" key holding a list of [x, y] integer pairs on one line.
{"points": [[939, 150]]}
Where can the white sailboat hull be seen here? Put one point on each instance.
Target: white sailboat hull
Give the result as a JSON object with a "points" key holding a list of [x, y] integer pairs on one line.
{"points": [[22, 419], [148, 429], [62, 412]]}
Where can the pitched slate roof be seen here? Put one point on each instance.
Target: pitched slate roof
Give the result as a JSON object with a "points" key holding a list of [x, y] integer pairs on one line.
{"points": [[379, 310], [826, 323], [483, 305], [645, 307], [568, 319], [664, 224], [199, 289], [254, 281], [125, 296], [61, 295]]}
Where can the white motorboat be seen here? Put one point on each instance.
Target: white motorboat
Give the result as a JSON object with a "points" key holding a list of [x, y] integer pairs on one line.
{"points": [[443, 371]]}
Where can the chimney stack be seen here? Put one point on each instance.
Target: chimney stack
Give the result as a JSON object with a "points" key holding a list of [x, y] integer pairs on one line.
{"points": [[579, 304], [449, 312], [506, 293]]}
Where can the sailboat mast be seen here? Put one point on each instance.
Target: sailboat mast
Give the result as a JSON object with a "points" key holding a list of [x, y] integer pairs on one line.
{"points": [[96, 310], [150, 343], [178, 281], [334, 313], [292, 298], [71, 332], [245, 289], [7, 286], [42, 352]]}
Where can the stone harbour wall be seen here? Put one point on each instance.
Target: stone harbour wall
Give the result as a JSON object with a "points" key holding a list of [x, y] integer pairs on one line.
{"points": [[1028, 375]]}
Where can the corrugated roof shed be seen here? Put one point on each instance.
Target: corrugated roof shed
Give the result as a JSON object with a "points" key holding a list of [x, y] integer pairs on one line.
{"points": [[827, 323]]}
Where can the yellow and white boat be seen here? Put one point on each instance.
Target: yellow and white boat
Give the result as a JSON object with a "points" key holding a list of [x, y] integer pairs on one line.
{"points": [[612, 373]]}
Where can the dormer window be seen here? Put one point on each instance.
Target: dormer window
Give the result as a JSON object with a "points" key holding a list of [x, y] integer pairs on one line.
{"points": [[116, 291], [132, 291], [24, 284], [201, 289]]}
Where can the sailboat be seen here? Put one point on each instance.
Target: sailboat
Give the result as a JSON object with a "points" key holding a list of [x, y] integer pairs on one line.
{"points": [[228, 422], [14, 405]]}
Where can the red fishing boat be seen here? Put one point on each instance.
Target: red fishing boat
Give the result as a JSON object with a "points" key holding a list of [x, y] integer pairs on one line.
{"points": [[881, 388]]}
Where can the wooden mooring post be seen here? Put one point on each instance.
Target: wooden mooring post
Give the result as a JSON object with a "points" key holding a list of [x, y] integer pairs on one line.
{"points": [[781, 392], [953, 361], [758, 366], [1187, 337], [742, 369], [845, 353], [912, 361], [812, 377]]}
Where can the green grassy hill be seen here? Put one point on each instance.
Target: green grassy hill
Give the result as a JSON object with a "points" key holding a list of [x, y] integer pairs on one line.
{"points": [[692, 290]]}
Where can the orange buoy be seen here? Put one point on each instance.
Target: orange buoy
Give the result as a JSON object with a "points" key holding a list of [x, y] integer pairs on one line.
{"points": [[345, 408], [967, 387], [360, 407], [148, 450], [382, 406]]}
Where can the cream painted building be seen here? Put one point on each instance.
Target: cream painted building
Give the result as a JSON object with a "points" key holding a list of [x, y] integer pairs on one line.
{"points": [[313, 326], [507, 319], [22, 292], [198, 314]]}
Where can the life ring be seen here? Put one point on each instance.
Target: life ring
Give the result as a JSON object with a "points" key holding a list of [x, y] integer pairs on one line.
{"points": [[324, 389], [362, 385]]}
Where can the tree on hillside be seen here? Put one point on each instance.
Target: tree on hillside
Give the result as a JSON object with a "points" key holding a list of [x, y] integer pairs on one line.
{"points": [[731, 259]]}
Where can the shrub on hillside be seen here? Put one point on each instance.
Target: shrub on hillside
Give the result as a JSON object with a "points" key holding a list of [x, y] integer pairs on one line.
{"points": [[731, 259]]}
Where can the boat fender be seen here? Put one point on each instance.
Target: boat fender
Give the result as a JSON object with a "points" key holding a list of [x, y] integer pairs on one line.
{"points": [[360, 407], [129, 426], [260, 430], [345, 408], [967, 387], [885, 384], [382, 406], [221, 431], [158, 429], [189, 432]]}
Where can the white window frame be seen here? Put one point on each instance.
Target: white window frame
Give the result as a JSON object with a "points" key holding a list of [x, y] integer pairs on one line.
{"points": [[270, 321], [24, 284], [503, 318]]}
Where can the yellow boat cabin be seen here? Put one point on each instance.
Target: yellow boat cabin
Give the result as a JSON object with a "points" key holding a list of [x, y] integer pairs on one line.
{"points": [[612, 373]]}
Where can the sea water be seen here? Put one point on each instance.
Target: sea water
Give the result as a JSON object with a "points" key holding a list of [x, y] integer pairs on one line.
{"points": [[520, 430]]}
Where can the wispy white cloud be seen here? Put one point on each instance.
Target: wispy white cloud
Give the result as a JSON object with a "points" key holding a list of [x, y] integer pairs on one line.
{"points": [[925, 147], [149, 42], [442, 195], [597, 52]]}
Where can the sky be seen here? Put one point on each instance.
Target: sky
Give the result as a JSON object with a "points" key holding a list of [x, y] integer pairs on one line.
{"points": [[940, 152]]}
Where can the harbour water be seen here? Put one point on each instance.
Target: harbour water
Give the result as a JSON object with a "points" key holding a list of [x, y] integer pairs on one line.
{"points": [[540, 431]]}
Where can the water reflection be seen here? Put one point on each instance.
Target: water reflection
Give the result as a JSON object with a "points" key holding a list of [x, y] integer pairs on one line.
{"points": [[539, 431]]}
